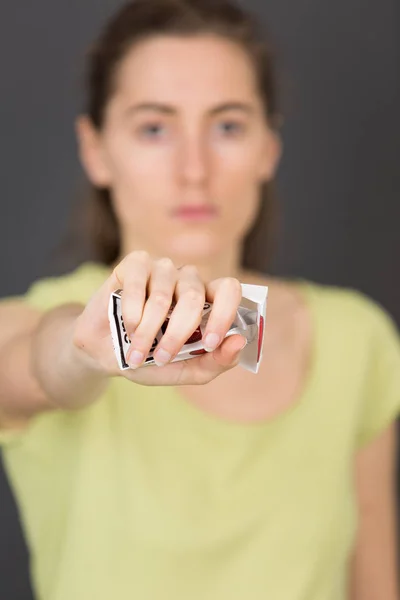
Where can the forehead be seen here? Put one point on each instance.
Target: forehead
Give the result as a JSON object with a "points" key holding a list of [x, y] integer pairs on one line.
{"points": [[195, 70]]}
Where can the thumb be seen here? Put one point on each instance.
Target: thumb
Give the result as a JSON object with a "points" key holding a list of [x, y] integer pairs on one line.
{"points": [[228, 353]]}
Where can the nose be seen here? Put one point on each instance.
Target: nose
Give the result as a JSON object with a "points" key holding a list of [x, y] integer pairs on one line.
{"points": [[193, 160]]}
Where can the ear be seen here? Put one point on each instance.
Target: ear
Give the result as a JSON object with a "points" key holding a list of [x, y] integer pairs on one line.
{"points": [[271, 155], [91, 152]]}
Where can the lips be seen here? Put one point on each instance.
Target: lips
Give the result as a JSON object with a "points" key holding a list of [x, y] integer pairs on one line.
{"points": [[201, 211]]}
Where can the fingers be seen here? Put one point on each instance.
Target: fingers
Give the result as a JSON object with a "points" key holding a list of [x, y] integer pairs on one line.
{"points": [[196, 371], [161, 287], [207, 367], [227, 355], [132, 275], [186, 316], [149, 287], [225, 294]]}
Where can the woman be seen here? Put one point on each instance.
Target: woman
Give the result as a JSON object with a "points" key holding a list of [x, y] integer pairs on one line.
{"points": [[144, 483]]}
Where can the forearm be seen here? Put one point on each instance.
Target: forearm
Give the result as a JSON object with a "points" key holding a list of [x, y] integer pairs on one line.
{"points": [[43, 370], [68, 377], [374, 572]]}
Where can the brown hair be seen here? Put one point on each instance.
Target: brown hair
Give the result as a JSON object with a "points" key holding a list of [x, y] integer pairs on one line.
{"points": [[142, 19]]}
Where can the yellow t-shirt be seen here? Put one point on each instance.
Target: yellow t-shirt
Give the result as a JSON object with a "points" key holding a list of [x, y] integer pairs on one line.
{"points": [[142, 495]]}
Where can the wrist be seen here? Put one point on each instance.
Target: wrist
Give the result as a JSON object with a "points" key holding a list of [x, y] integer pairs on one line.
{"points": [[79, 360]]}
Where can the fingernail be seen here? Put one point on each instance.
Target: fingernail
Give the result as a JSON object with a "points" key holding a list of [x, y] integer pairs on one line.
{"points": [[135, 359], [162, 357], [237, 353], [243, 345], [211, 341]]}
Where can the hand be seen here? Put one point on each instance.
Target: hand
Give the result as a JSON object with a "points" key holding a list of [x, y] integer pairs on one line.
{"points": [[149, 288]]}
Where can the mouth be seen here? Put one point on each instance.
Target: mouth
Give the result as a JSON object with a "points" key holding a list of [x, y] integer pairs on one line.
{"points": [[200, 213]]}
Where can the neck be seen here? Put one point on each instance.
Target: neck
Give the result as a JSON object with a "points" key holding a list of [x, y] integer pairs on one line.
{"points": [[226, 264]]}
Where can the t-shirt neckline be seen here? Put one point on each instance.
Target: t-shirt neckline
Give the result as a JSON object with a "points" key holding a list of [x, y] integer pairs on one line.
{"points": [[214, 423]]}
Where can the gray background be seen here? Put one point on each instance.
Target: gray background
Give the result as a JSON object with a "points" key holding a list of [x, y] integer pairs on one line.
{"points": [[339, 183]]}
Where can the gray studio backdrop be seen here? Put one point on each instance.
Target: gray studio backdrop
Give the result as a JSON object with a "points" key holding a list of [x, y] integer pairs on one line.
{"points": [[339, 183]]}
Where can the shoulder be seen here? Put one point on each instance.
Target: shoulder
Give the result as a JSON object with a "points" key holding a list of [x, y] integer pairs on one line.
{"points": [[355, 342], [358, 335], [349, 310], [22, 312], [341, 308], [345, 318]]}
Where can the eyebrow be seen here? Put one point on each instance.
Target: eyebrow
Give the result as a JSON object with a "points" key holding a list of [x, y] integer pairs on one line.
{"points": [[171, 110]]}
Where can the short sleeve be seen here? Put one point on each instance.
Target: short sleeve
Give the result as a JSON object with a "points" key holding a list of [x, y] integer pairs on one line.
{"points": [[46, 294], [381, 405], [8, 437], [77, 286]]}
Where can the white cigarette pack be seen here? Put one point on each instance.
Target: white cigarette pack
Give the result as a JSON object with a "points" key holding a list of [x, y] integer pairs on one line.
{"points": [[249, 322]]}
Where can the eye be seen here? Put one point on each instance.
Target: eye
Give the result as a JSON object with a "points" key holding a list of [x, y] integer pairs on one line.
{"points": [[230, 128], [152, 131]]}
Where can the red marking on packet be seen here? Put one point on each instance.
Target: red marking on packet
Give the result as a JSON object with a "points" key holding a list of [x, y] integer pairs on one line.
{"points": [[196, 336], [248, 322], [260, 337], [198, 352]]}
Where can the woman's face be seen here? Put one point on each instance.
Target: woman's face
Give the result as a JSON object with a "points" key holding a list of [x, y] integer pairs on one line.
{"points": [[184, 147]]}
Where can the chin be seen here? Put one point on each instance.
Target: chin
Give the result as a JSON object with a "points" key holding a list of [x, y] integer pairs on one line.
{"points": [[194, 246]]}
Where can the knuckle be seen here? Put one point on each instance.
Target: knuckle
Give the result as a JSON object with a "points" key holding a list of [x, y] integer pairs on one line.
{"points": [[133, 300], [234, 286], [131, 322], [189, 270], [233, 283], [140, 255], [166, 263], [194, 296], [161, 299], [117, 273], [172, 341], [131, 314]]}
